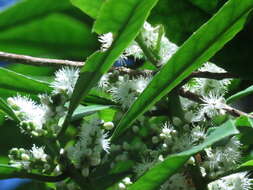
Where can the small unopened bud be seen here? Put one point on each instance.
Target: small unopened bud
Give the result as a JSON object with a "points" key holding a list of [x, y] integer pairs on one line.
{"points": [[160, 158], [85, 172], [135, 129], [62, 151], [164, 146], [188, 116], [177, 121], [191, 161], [94, 161], [25, 157], [127, 181], [126, 146], [108, 125], [122, 186], [155, 140]]}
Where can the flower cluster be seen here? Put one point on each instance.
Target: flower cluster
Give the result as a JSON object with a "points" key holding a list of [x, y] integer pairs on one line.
{"points": [[239, 181], [34, 159], [126, 90], [153, 38], [42, 119], [92, 142]]}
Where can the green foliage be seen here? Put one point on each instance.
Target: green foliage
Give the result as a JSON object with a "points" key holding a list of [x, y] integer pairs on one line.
{"points": [[84, 135], [89, 7], [162, 171], [198, 49], [8, 171], [8, 80], [240, 94], [100, 62]]}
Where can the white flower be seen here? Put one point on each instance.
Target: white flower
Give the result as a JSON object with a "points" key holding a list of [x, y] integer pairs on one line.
{"points": [[181, 143], [211, 67], [198, 134], [29, 111], [213, 104], [39, 153], [167, 50], [92, 141], [127, 90], [65, 80], [104, 81], [144, 166], [105, 142], [238, 181], [168, 131], [134, 50], [224, 158], [106, 40]]}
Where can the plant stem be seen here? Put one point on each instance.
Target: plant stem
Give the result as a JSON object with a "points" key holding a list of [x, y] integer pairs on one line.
{"points": [[152, 57], [29, 60]]}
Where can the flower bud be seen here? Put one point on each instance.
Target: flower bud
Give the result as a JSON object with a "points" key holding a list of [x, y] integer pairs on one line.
{"points": [[25, 157], [85, 172], [108, 125]]}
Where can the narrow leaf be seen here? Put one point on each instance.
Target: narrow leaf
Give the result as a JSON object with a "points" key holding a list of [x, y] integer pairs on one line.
{"points": [[20, 83], [28, 10], [7, 171], [82, 111], [199, 48], [157, 175], [89, 7], [240, 94]]}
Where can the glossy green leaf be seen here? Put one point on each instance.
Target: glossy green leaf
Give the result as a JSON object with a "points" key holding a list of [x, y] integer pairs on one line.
{"points": [[20, 83], [157, 175], [240, 94], [7, 171], [53, 36], [27, 10], [6, 109], [199, 48], [82, 111], [89, 7], [100, 62]]}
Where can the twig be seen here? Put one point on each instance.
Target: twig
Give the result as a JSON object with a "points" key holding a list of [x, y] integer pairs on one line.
{"points": [[197, 98], [36, 61], [29, 60]]}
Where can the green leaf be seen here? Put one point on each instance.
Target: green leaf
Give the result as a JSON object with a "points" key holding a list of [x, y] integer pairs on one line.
{"points": [[240, 94], [114, 15], [20, 83], [207, 6], [89, 7], [6, 108], [157, 175], [245, 126], [27, 10], [245, 166], [54, 36], [100, 62], [82, 111], [199, 48], [7, 171]]}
